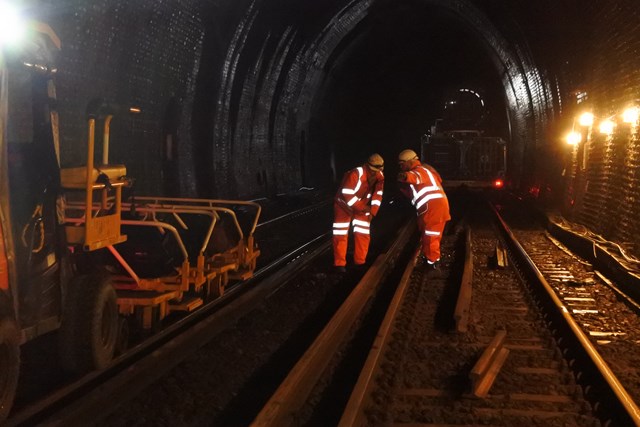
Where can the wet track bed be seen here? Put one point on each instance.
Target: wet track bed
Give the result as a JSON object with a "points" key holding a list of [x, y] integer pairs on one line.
{"points": [[609, 318], [227, 380], [425, 373], [42, 375]]}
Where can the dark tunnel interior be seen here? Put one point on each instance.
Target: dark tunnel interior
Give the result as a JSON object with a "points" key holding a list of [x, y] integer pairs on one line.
{"points": [[390, 81], [252, 98]]}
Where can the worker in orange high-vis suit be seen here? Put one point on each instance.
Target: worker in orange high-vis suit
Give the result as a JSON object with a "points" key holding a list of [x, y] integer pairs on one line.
{"points": [[356, 203], [422, 184]]}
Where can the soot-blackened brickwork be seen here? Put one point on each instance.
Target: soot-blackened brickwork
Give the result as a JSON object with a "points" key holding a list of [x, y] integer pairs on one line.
{"points": [[612, 83], [142, 54], [236, 83]]}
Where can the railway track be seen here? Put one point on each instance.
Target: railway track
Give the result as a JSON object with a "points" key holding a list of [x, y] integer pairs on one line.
{"points": [[67, 400], [606, 317], [207, 344], [515, 364], [512, 365]]}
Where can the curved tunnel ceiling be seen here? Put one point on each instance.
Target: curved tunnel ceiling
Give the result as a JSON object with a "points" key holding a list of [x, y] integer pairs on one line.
{"points": [[390, 83], [371, 79]]}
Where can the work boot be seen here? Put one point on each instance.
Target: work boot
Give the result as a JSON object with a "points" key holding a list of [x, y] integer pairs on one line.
{"points": [[339, 269], [432, 266]]}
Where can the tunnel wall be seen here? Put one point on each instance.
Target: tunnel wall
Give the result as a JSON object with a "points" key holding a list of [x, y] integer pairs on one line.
{"points": [[602, 186], [234, 84], [140, 54]]}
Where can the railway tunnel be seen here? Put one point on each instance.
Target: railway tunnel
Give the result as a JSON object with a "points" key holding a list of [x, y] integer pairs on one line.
{"points": [[264, 97], [250, 99]]}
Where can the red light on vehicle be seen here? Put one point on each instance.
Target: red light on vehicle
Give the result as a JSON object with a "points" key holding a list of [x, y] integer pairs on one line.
{"points": [[498, 183]]}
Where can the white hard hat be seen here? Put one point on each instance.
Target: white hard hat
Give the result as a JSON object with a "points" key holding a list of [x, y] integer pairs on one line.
{"points": [[375, 161], [406, 155]]}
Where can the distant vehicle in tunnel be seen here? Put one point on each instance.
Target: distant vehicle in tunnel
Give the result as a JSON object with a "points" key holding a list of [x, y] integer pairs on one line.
{"points": [[77, 257], [458, 148]]}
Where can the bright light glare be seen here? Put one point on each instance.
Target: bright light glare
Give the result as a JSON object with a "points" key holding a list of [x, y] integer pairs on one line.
{"points": [[607, 127], [12, 27], [574, 138], [498, 183], [630, 115], [586, 119]]}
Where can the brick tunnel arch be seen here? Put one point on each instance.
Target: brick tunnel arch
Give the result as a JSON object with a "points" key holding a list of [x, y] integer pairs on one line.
{"points": [[273, 75]]}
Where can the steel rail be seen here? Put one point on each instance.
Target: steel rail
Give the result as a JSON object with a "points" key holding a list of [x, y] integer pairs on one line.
{"points": [[353, 414], [96, 395], [291, 214], [283, 406], [625, 401]]}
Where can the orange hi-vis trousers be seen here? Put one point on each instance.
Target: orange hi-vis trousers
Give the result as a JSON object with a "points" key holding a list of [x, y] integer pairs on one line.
{"points": [[431, 226], [343, 221]]}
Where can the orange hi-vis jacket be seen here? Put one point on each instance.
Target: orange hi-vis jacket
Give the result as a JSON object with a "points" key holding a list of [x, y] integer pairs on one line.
{"points": [[358, 193], [358, 200], [423, 186]]}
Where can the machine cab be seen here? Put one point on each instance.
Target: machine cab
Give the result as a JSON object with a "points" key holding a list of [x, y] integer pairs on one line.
{"points": [[31, 170]]}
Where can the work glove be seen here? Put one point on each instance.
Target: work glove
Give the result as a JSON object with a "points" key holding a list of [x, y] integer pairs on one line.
{"points": [[402, 176]]}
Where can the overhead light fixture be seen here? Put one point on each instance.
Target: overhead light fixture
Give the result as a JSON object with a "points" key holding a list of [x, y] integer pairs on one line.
{"points": [[574, 138], [12, 27], [630, 115], [607, 126], [586, 119]]}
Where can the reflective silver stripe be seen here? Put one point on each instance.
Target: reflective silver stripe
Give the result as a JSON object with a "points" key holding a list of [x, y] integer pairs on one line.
{"points": [[361, 230], [340, 228], [418, 177], [418, 194], [428, 197], [355, 190], [431, 177], [432, 233], [425, 194], [360, 222], [353, 201], [379, 193], [375, 202]]}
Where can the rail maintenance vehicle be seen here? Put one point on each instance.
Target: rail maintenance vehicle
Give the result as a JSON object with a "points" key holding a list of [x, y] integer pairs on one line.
{"points": [[78, 258]]}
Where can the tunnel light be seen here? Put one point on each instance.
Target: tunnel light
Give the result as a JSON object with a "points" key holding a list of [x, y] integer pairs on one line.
{"points": [[498, 183], [12, 27], [630, 115], [135, 110], [581, 97], [586, 119], [574, 138], [607, 127]]}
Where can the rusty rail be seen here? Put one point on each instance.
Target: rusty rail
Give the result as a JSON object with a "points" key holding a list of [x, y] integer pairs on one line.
{"points": [[283, 407]]}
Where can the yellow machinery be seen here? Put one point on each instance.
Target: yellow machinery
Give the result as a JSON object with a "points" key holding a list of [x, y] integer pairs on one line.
{"points": [[95, 221]]}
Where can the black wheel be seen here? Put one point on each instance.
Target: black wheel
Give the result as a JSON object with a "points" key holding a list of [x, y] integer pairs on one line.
{"points": [[89, 331], [9, 364], [122, 344]]}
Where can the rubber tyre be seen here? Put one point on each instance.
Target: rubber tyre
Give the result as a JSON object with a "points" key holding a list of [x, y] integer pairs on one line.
{"points": [[89, 331], [9, 365], [122, 343]]}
